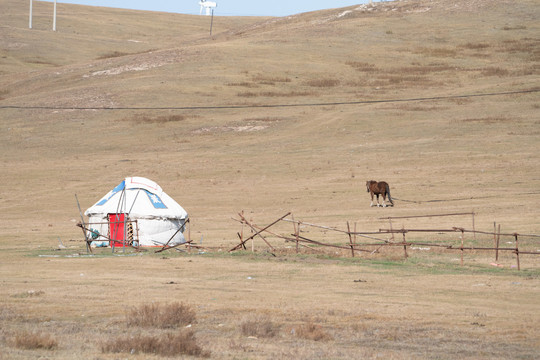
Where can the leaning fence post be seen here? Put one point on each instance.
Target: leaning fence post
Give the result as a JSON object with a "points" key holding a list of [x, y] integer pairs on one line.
{"points": [[517, 250], [252, 239], [86, 239], [354, 233], [242, 230], [350, 238]]}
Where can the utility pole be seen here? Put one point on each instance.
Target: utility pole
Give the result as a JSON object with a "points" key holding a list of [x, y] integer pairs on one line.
{"points": [[54, 17], [211, 22], [30, 21]]}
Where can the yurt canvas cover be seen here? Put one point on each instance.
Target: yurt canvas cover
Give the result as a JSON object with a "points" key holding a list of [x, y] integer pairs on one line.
{"points": [[137, 210]]}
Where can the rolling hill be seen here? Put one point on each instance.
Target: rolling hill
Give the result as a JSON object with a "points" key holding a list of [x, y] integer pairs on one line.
{"points": [[271, 114]]}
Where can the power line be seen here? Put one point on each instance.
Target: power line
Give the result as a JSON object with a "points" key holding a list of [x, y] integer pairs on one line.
{"points": [[253, 106]]}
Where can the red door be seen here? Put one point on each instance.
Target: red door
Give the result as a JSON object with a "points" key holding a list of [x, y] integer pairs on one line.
{"points": [[116, 228]]}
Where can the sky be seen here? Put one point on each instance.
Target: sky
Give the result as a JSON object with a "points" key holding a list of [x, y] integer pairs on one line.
{"points": [[224, 7]]}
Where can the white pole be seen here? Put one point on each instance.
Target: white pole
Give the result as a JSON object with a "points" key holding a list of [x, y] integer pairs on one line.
{"points": [[211, 22], [30, 21], [54, 17]]}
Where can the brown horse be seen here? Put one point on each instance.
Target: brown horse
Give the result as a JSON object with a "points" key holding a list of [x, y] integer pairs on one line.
{"points": [[379, 188]]}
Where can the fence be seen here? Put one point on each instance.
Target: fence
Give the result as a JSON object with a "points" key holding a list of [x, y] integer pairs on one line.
{"points": [[129, 237], [350, 238]]}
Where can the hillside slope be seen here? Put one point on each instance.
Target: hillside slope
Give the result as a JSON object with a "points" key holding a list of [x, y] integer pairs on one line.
{"points": [[273, 114]]}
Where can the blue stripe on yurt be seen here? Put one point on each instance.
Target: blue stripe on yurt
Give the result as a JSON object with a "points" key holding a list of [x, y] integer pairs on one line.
{"points": [[118, 188], [155, 200]]}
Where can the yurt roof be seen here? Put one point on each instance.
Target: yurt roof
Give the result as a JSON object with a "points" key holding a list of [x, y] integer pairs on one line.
{"points": [[140, 198]]}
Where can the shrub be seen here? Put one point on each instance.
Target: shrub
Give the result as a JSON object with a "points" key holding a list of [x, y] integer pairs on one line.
{"points": [[247, 94], [438, 52], [35, 340], [112, 54], [323, 82], [243, 83], [517, 27], [143, 119], [161, 316], [182, 342], [361, 66], [259, 327], [270, 80], [29, 293], [476, 46]]}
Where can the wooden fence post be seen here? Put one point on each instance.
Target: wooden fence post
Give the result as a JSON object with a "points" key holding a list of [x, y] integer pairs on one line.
{"points": [[517, 250], [86, 239], [495, 240], [242, 230], [189, 230], [296, 232], [391, 232], [189, 235], [405, 245], [461, 247], [497, 247], [474, 230]]}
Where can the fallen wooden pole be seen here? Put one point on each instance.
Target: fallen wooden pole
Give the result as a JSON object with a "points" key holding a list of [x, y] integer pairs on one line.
{"points": [[167, 243], [416, 230], [258, 232], [296, 239], [304, 239], [361, 234], [451, 247], [172, 247], [424, 216], [299, 242], [455, 229]]}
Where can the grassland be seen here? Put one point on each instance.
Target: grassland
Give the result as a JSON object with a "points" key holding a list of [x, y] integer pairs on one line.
{"points": [[271, 115]]}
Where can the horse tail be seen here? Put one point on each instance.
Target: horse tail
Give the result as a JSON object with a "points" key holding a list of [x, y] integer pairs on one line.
{"points": [[388, 193]]}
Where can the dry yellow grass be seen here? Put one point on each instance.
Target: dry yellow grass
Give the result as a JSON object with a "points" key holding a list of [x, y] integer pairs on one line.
{"points": [[249, 120]]}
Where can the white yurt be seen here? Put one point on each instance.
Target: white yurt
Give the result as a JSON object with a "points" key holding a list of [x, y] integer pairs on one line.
{"points": [[136, 212]]}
